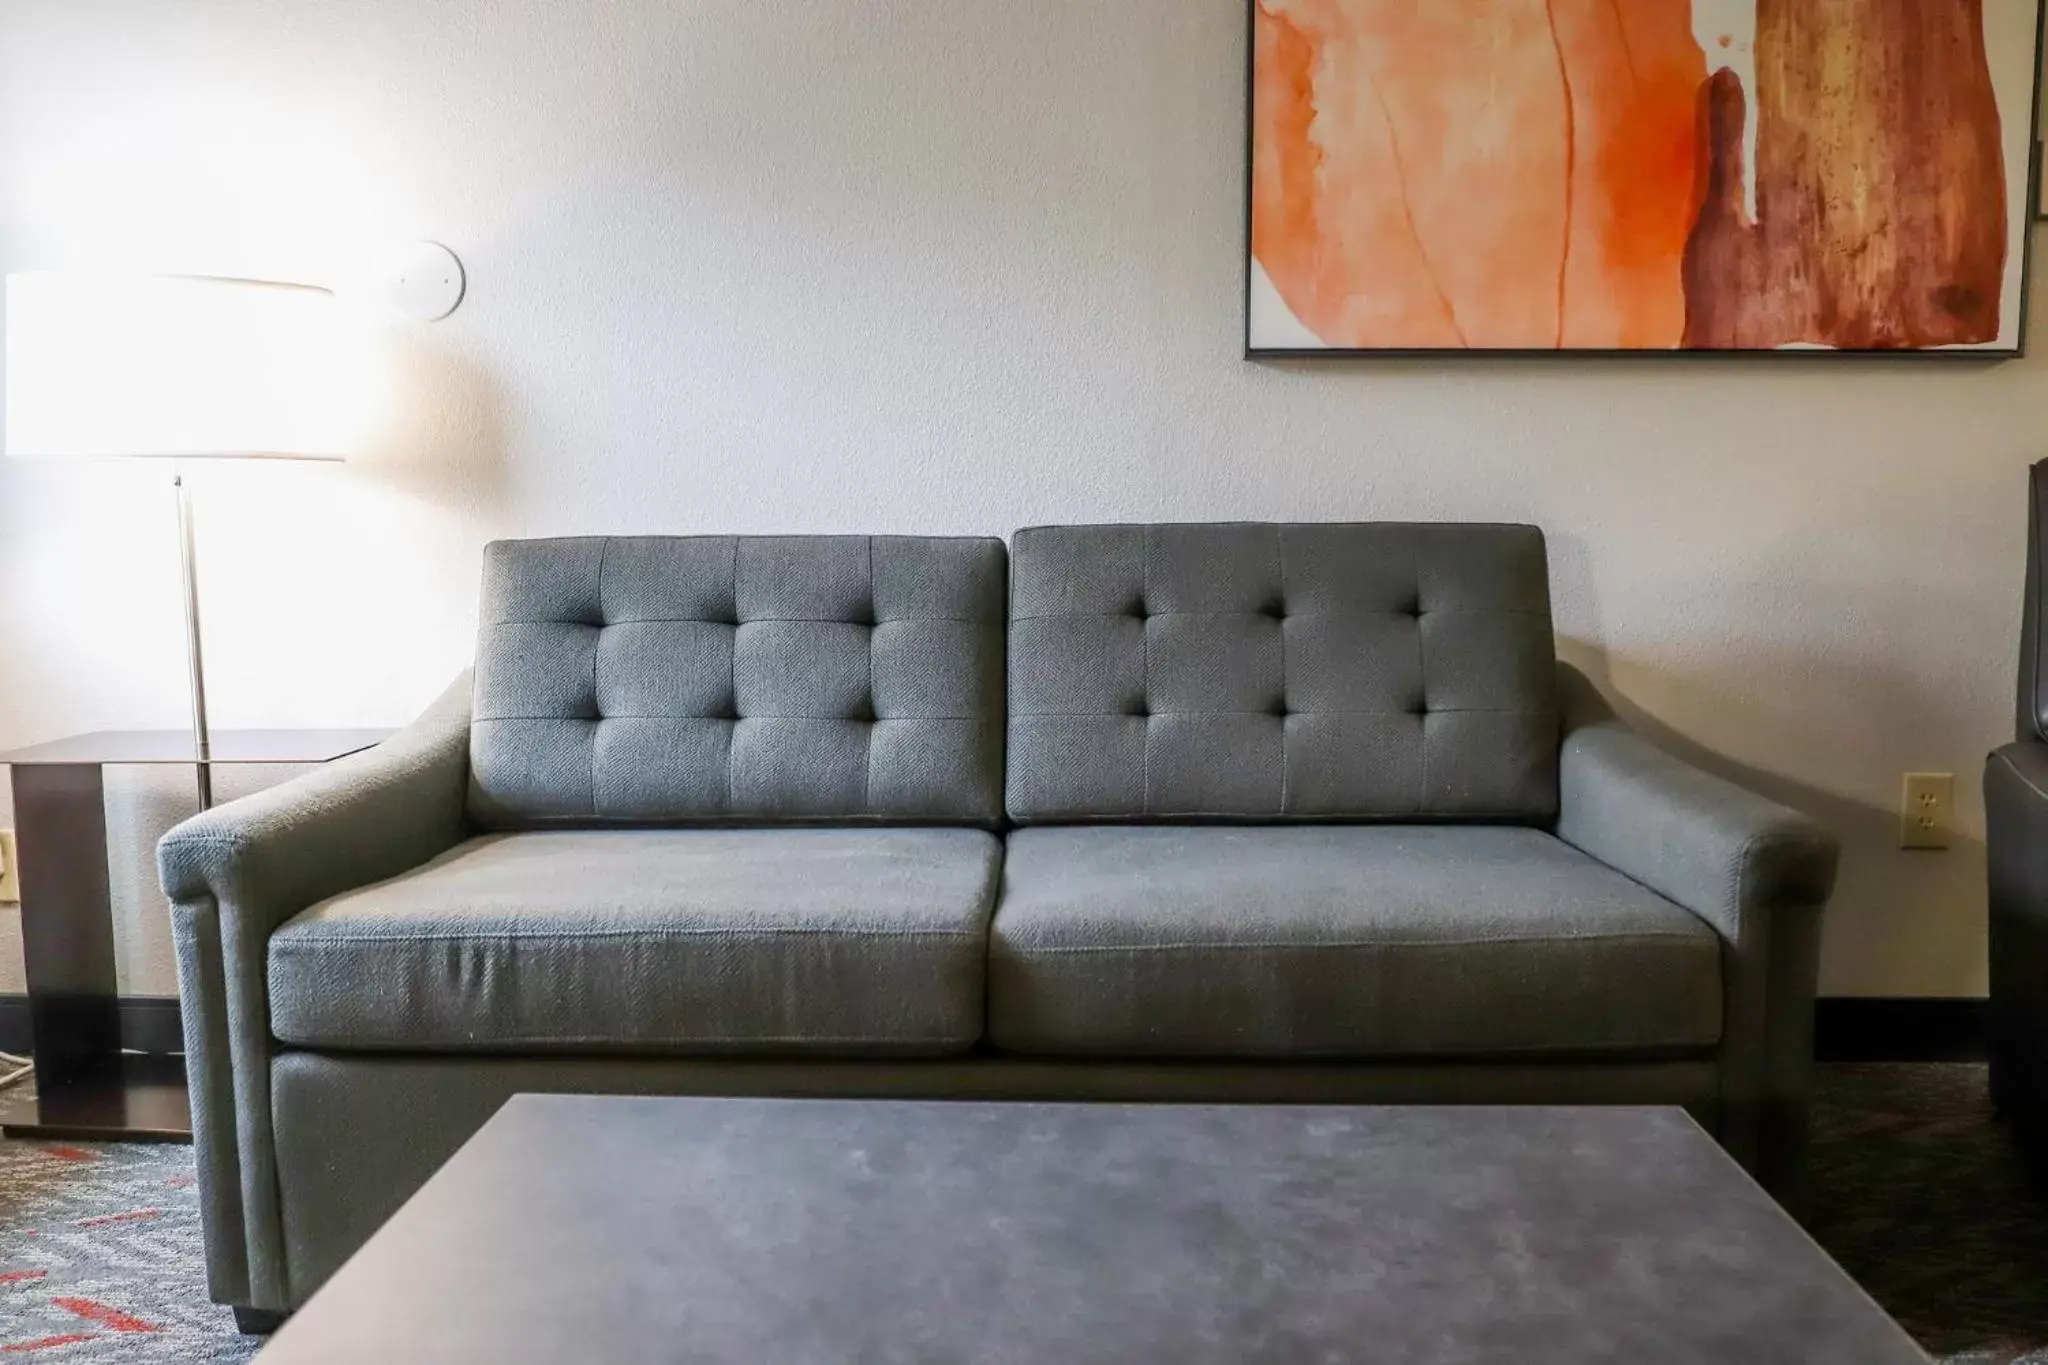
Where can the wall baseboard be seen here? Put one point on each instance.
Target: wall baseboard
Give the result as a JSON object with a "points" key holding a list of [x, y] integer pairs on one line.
{"points": [[1845, 1029], [149, 1023], [1917, 1030]]}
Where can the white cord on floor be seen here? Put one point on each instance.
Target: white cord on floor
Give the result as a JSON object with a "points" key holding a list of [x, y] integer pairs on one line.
{"points": [[23, 1069]]}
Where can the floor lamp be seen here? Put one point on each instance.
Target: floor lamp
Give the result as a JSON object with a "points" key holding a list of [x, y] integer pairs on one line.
{"points": [[177, 368]]}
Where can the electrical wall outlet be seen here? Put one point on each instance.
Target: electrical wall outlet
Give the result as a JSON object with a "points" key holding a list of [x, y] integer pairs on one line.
{"points": [[10, 870], [1927, 815]]}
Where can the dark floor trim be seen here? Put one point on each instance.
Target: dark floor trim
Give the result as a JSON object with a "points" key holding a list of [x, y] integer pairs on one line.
{"points": [[1872, 1030], [149, 1023]]}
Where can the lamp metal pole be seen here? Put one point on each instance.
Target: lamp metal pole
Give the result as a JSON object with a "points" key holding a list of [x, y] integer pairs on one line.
{"points": [[202, 736]]}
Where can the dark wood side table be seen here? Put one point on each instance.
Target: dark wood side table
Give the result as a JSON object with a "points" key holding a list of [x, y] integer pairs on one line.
{"points": [[86, 1088]]}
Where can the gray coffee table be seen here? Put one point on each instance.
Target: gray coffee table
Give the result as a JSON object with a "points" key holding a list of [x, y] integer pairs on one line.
{"points": [[755, 1231]]}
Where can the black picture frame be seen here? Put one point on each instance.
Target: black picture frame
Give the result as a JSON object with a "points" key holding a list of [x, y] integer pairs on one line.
{"points": [[1978, 354]]}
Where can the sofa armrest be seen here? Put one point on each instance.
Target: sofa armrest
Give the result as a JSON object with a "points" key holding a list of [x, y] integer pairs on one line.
{"points": [[2016, 805], [1713, 847], [357, 820], [1758, 872], [233, 875]]}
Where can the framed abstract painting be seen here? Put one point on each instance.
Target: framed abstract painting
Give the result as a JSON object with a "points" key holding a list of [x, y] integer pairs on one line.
{"points": [[1631, 176]]}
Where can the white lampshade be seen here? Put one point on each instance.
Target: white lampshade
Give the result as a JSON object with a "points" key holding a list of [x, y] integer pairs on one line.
{"points": [[177, 367]]}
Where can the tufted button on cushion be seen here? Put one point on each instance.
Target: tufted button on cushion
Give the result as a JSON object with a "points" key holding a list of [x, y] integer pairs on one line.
{"points": [[743, 679], [1328, 617]]}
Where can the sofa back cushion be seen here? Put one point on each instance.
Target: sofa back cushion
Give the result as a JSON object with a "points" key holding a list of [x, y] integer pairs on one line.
{"points": [[750, 679], [1284, 673]]}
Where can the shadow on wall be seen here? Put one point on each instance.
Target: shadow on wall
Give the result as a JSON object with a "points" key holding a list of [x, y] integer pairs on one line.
{"points": [[1880, 885], [443, 441]]}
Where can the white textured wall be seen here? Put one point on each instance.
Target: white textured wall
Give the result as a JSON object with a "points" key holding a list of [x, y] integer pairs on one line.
{"points": [[943, 266]]}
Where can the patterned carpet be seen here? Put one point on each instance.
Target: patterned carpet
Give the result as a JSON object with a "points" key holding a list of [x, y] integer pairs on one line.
{"points": [[100, 1257], [1916, 1192], [1924, 1201]]}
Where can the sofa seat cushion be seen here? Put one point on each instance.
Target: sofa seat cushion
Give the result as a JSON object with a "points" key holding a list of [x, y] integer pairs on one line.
{"points": [[1350, 941], [673, 941]]}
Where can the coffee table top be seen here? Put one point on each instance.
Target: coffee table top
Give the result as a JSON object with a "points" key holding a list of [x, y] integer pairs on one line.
{"points": [[795, 1231]]}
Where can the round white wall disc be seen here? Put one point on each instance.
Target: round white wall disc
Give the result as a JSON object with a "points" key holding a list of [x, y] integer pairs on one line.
{"points": [[423, 281]]}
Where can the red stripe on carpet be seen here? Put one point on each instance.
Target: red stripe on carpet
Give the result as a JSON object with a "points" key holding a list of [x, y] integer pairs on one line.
{"points": [[69, 1153], [133, 1217], [105, 1316], [45, 1343], [19, 1276]]}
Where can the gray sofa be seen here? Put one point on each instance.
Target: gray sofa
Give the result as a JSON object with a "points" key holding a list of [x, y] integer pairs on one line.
{"points": [[1229, 812]]}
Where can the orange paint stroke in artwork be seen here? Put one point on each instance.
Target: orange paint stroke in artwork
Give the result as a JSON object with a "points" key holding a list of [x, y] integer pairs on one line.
{"points": [[1547, 178], [1571, 168], [1627, 54]]}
